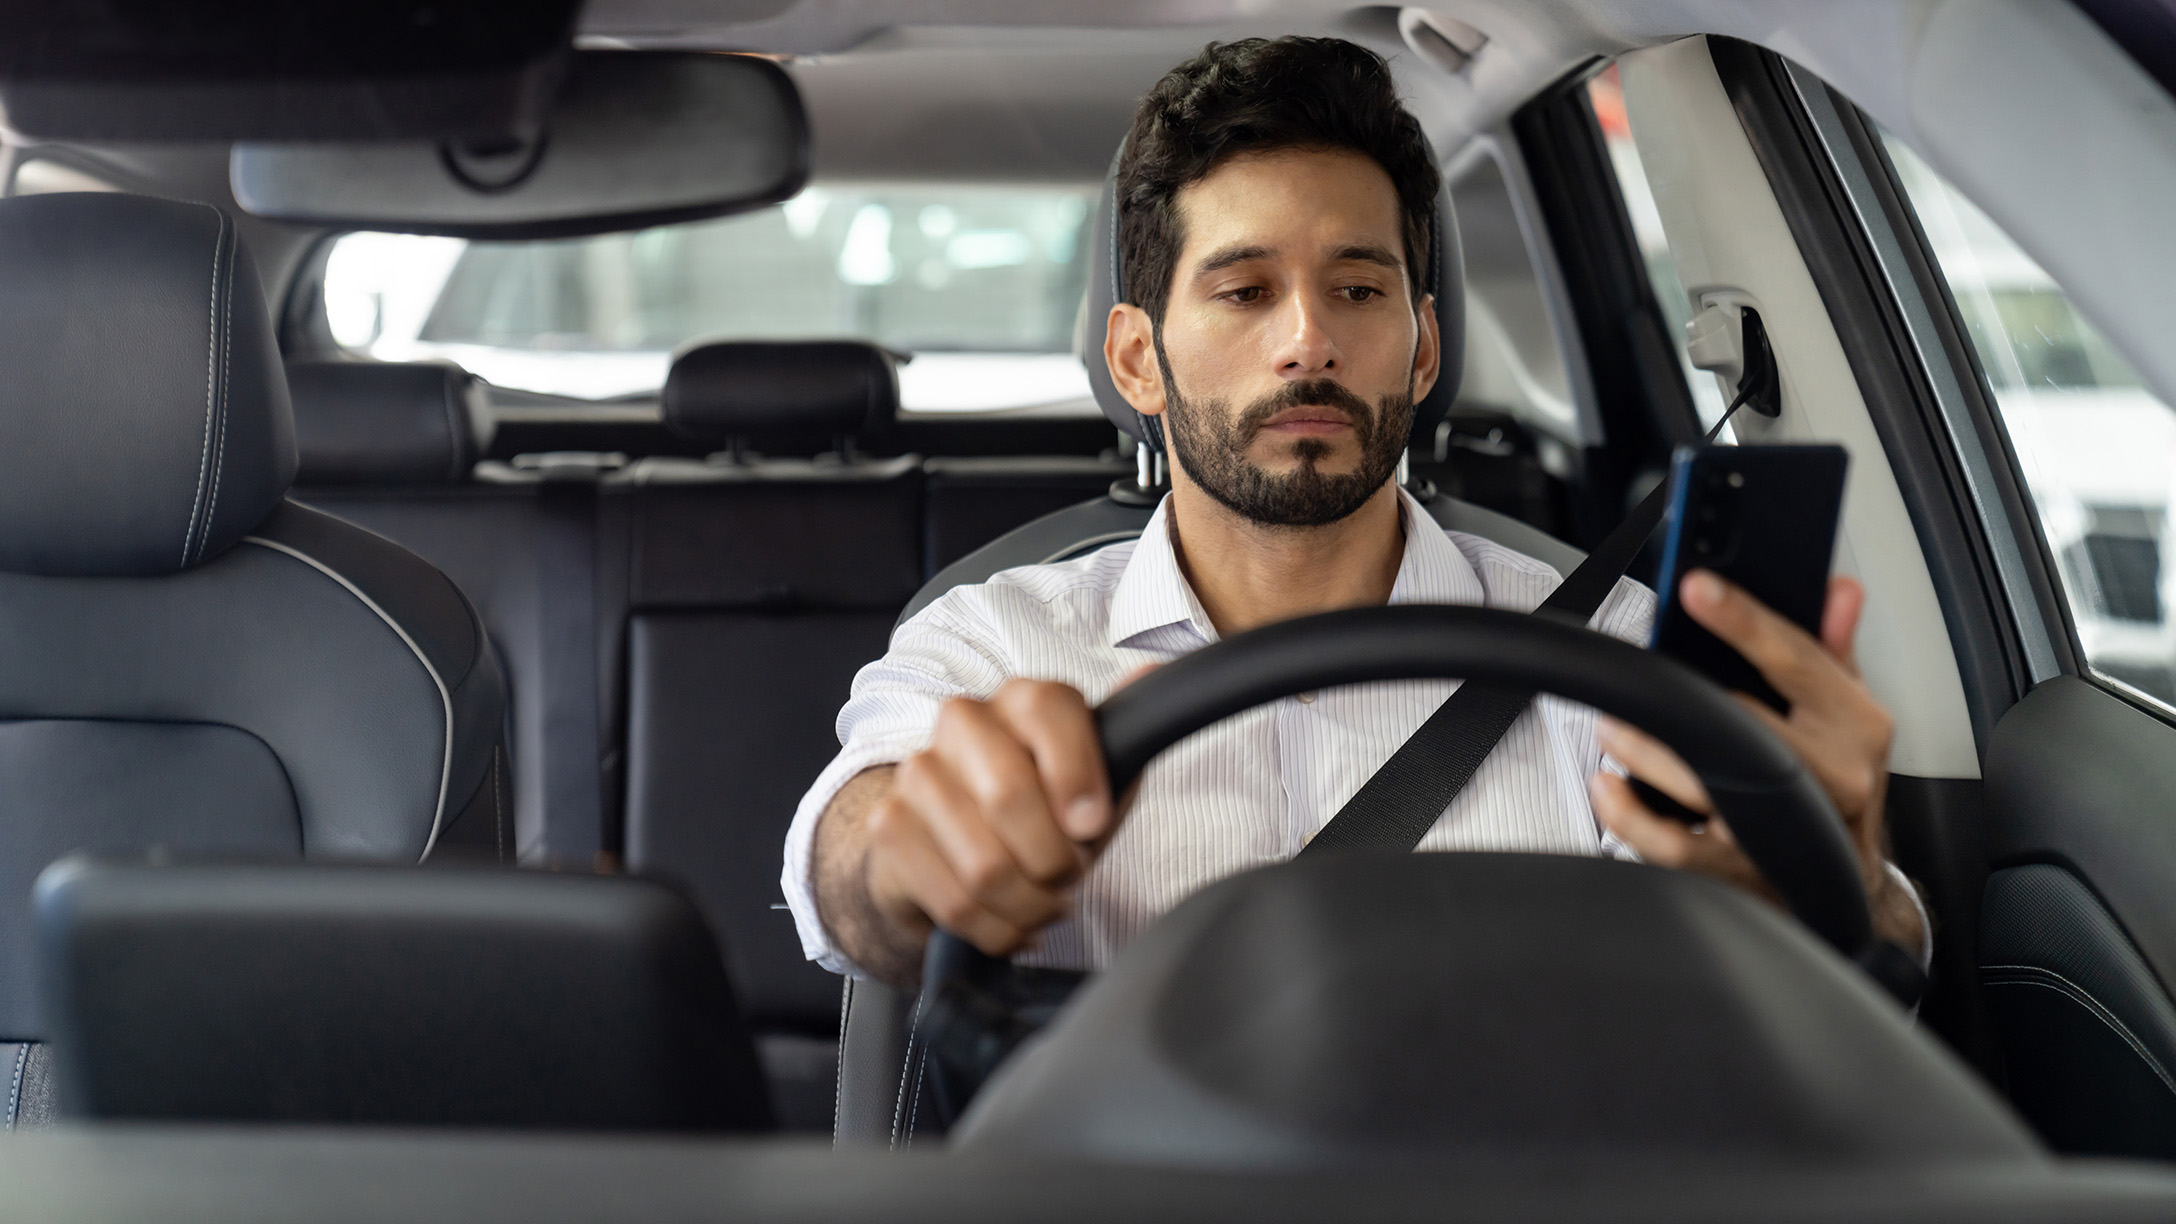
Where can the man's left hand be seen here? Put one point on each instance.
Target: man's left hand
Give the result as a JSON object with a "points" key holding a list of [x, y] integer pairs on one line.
{"points": [[1834, 725]]}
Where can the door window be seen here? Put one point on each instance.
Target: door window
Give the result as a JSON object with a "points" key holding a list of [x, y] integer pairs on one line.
{"points": [[2098, 449]]}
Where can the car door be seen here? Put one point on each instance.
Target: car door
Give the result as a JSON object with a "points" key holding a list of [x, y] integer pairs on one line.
{"points": [[2009, 502]]}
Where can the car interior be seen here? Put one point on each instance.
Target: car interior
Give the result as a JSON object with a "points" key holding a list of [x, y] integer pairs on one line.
{"points": [[459, 456]]}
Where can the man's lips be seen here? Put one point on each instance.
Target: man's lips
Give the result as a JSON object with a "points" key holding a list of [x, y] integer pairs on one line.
{"points": [[1308, 421]]}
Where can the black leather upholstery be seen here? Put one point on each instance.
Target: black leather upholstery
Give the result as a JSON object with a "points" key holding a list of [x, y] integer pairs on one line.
{"points": [[755, 590], [387, 996], [1106, 288], [2088, 1033], [734, 389], [144, 421], [386, 423], [300, 688]]}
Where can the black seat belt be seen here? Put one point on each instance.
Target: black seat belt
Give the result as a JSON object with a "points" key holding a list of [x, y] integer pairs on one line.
{"points": [[566, 578], [1403, 800]]}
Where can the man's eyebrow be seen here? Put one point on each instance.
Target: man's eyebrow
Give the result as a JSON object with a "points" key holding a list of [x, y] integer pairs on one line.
{"points": [[1217, 261], [1368, 252]]}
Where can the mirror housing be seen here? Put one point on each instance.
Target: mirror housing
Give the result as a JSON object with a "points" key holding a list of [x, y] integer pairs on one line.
{"points": [[94, 70], [632, 139]]}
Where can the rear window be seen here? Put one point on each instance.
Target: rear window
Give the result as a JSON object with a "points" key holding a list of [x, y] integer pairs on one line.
{"points": [[981, 285]]}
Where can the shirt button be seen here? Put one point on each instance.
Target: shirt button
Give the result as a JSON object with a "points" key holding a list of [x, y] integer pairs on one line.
{"points": [[1307, 699]]}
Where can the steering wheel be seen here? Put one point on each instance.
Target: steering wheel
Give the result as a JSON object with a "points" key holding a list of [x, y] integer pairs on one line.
{"points": [[1780, 817]]}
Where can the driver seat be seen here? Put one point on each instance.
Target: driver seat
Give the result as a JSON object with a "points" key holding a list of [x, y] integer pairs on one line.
{"points": [[875, 1095]]}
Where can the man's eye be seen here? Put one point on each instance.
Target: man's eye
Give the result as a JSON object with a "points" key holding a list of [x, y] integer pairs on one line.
{"points": [[1245, 297], [1361, 293]]}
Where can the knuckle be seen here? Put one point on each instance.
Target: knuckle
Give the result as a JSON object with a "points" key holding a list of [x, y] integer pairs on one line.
{"points": [[1009, 787], [984, 874], [949, 912], [887, 819], [912, 772], [957, 712]]}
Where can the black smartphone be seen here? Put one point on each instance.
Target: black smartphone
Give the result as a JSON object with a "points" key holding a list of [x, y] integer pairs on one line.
{"points": [[1763, 517]]}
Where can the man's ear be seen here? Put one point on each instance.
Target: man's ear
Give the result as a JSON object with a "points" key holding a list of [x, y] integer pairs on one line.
{"points": [[1428, 350], [1129, 349]]}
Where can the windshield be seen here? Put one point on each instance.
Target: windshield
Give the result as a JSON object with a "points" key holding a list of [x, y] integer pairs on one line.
{"points": [[982, 285]]}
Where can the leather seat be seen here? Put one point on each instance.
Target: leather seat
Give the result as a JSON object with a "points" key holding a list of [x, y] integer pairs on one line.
{"points": [[383, 423], [188, 660], [756, 587], [874, 1097]]}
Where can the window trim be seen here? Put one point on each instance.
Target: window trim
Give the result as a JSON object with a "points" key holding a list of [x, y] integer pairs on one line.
{"points": [[1641, 396], [1991, 569]]}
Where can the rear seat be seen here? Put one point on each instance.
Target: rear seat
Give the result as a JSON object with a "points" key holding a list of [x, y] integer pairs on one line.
{"points": [[973, 501], [734, 599], [756, 589]]}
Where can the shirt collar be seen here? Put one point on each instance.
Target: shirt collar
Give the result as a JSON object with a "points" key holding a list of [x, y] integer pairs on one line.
{"points": [[1153, 594]]}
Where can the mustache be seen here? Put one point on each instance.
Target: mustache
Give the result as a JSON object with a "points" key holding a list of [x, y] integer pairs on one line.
{"points": [[1314, 391]]}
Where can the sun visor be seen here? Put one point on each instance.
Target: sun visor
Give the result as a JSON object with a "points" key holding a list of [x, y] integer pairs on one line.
{"points": [[631, 139], [93, 70]]}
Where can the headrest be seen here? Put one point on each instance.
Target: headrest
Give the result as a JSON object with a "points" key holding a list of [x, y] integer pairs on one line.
{"points": [[383, 422], [1106, 288], [734, 389], [144, 423]]}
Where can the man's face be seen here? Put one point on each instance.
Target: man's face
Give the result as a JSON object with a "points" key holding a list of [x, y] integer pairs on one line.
{"points": [[1291, 352]]}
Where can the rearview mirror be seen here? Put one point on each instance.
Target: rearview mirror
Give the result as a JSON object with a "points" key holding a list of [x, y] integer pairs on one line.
{"points": [[632, 139]]}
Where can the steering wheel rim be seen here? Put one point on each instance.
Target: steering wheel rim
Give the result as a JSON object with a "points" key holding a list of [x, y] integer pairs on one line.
{"points": [[1779, 815]]}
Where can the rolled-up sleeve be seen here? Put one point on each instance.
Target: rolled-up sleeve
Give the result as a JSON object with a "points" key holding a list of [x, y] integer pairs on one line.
{"points": [[944, 651]]}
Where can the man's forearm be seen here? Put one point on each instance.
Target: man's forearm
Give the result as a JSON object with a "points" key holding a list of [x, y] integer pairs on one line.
{"points": [[877, 942]]}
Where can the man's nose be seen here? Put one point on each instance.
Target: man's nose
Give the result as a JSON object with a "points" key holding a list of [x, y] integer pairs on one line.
{"points": [[1305, 348]]}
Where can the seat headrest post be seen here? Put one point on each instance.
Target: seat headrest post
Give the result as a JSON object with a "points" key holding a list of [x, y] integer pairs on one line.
{"points": [[144, 417]]}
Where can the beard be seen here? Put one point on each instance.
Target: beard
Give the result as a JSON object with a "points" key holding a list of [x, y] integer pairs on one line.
{"points": [[1211, 443]]}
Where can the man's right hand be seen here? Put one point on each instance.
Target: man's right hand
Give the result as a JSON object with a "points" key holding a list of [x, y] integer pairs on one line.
{"points": [[983, 833]]}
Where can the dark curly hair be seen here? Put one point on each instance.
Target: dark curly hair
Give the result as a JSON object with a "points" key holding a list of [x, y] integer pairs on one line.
{"points": [[1251, 96]]}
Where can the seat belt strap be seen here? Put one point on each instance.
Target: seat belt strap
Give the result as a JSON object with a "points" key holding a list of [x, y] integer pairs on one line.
{"points": [[1404, 799], [566, 576]]}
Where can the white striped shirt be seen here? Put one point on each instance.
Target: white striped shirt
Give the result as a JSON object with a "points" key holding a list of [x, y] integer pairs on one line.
{"points": [[1249, 791]]}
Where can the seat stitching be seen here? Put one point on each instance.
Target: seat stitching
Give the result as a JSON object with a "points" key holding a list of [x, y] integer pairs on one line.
{"points": [[498, 809], [15, 1089], [211, 351], [906, 1068], [914, 1111], [445, 697], [2084, 998], [226, 400], [838, 1082], [453, 431]]}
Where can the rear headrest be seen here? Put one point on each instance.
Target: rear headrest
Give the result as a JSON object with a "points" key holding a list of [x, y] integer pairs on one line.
{"points": [[734, 389], [383, 422], [1106, 288], [144, 423]]}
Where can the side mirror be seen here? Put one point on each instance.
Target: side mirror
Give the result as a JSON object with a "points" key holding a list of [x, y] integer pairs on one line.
{"points": [[632, 139]]}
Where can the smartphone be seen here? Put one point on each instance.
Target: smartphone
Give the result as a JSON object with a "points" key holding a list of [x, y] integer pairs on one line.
{"points": [[1763, 517]]}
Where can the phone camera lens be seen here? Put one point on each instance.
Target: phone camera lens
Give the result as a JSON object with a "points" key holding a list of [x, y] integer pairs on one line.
{"points": [[1737, 480]]}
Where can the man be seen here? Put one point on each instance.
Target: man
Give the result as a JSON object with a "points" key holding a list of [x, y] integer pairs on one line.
{"points": [[1274, 202]]}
